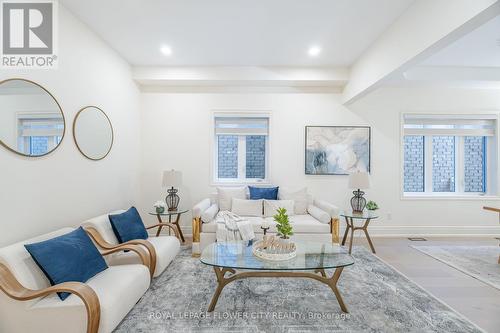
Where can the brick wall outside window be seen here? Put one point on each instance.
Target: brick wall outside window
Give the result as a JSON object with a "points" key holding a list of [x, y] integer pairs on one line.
{"points": [[256, 156], [227, 156], [443, 163], [474, 158], [39, 145], [413, 163]]}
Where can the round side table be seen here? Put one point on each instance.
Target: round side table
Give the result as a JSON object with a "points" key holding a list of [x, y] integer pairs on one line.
{"points": [[170, 215], [365, 216]]}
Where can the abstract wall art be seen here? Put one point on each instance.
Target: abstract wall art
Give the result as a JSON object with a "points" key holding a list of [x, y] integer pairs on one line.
{"points": [[337, 150]]}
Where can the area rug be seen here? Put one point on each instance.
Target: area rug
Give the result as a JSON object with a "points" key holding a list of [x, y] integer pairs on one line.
{"points": [[480, 262], [379, 299]]}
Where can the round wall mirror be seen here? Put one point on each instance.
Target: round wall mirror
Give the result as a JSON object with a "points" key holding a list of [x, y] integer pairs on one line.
{"points": [[31, 120], [93, 133]]}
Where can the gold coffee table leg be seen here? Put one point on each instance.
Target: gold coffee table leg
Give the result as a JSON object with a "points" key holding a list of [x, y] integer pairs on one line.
{"points": [[222, 281]]}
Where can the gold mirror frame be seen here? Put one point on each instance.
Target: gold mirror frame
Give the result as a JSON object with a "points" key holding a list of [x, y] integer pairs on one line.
{"points": [[110, 125], [60, 109]]}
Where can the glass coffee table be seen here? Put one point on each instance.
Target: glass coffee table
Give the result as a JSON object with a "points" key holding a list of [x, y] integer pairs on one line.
{"points": [[312, 259]]}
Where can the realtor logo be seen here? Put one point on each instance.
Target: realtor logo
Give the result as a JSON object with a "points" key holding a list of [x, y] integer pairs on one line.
{"points": [[28, 34]]}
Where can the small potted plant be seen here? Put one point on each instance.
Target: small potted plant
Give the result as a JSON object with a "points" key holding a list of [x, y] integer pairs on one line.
{"points": [[371, 205], [283, 225], [159, 207]]}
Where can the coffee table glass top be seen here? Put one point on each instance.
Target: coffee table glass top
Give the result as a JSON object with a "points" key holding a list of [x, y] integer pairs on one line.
{"points": [[366, 214], [171, 212], [310, 256]]}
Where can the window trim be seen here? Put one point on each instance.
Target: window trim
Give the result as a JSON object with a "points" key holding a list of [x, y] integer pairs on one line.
{"points": [[493, 181], [250, 113]]}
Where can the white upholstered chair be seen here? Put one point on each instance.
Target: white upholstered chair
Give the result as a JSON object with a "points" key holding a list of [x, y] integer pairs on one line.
{"points": [[163, 249], [28, 303]]}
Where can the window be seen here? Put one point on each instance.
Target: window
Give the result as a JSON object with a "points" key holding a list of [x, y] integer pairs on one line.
{"points": [[38, 134], [450, 155], [241, 148]]}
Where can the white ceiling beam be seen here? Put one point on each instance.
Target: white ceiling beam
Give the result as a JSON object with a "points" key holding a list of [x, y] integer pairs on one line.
{"points": [[241, 76], [424, 28], [453, 73]]}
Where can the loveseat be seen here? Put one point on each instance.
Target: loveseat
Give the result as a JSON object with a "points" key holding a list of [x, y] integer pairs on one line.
{"points": [[28, 302], [311, 219]]}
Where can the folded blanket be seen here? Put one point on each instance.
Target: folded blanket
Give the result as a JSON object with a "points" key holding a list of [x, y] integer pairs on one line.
{"points": [[232, 227]]}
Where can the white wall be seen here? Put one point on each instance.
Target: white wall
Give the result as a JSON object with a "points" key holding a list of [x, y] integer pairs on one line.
{"points": [[176, 134], [38, 195]]}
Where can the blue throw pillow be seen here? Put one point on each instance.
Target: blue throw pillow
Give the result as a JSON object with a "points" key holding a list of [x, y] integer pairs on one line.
{"points": [[128, 226], [269, 193], [72, 257]]}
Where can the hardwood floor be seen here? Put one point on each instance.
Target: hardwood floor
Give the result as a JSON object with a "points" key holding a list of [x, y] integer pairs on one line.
{"points": [[477, 301]]}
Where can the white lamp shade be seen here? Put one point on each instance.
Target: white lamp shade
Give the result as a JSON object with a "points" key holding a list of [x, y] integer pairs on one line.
{"points": [[172, 178], [359, 180]]}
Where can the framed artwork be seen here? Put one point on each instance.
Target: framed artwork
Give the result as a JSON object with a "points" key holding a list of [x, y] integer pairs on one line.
{"points": [[337, 150]]}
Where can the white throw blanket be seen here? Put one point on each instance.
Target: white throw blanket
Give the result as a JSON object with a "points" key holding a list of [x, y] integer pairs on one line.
{"points": [[232, 227]]}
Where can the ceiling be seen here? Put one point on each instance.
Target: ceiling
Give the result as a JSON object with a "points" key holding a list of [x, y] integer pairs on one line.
{"points": [[480, 48], [238, 32]]}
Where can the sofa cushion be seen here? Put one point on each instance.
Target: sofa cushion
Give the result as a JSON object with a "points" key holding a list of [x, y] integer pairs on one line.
{"points": [[225, 196], [69, 257], [22, 265], [271, 207], [299, 197], [118, 288], [305, 224], [166, 247], [247, 207], [269, 193], [103, 226], [128, 226], [318, 214], [210, 213]]}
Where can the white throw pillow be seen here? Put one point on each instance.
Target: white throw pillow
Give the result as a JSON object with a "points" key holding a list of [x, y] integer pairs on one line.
{"points": [[319, 214], [226, 194], [299, 197], [209, 214], [271, 207], [247, 207]]}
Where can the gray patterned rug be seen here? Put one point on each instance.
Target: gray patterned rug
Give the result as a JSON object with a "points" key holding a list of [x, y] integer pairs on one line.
{"points": [[480, 262], [378, 297]]}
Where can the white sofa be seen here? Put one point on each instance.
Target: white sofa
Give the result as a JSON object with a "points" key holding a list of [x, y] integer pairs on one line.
{"points": [[165, 248], [29, 304], [305, 226]]}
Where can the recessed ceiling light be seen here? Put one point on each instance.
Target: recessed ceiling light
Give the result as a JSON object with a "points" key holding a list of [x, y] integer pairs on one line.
{"points": [[166, 50], [314, 51]]}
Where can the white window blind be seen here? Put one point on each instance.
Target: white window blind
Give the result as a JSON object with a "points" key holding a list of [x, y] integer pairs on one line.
{"points": [[36, 125], [441, 125], [241, 126]]}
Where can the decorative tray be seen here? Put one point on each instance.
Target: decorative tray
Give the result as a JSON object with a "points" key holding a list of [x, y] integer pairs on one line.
{"points": [[274, 248]]}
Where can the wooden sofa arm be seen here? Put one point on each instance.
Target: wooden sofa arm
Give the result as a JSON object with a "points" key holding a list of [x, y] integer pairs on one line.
{"points": [[15, 290], [165, 224], [103, 244], [335, 229]]}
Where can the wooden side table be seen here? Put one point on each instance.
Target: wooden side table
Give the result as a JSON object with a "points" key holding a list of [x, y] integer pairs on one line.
{"points": [[365, 216], [170, 215]]}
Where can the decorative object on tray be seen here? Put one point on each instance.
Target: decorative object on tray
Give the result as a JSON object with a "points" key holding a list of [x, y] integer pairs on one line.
{"points": [[283, 225], [337, 150], [358, 180], [372, 205], [265, 226], [172, 179], [274, 248], [160, 207]]}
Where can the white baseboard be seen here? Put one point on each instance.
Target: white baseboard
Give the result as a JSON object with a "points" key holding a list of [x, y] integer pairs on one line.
{"points": [[409, 231]]}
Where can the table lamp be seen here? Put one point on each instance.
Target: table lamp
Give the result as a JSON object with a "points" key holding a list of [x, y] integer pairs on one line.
{"points": [[358, 181], [172, 179]]}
